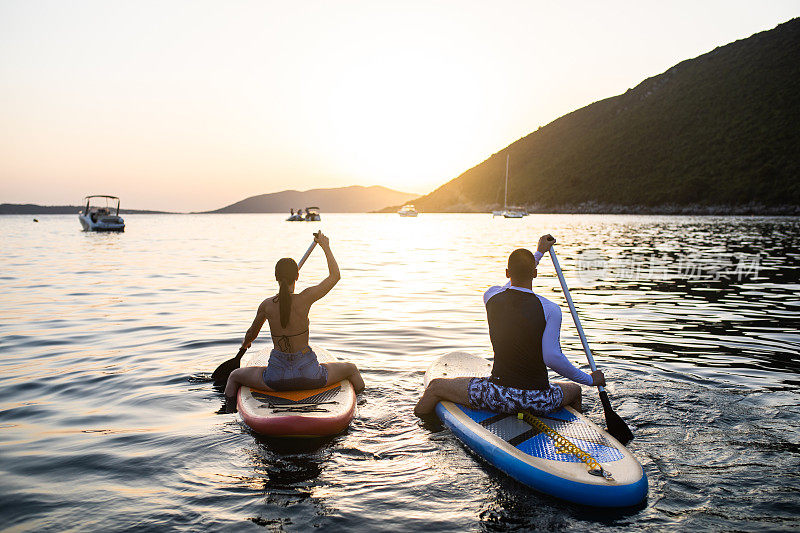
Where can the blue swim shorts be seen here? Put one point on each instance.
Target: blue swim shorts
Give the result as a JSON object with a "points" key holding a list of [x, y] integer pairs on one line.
{"points": [[294, 371], [488, 395]]}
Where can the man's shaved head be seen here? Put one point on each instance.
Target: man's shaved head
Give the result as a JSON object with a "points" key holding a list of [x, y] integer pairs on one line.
{"points": [[521, 264]]}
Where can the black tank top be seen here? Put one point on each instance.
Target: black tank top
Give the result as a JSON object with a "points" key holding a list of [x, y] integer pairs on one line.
{"points": [[516, 326]]}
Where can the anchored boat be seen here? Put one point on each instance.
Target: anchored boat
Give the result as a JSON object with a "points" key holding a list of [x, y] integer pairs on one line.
{"points": [[509, 212], [312, 215], [99, 218], [408, 210]]}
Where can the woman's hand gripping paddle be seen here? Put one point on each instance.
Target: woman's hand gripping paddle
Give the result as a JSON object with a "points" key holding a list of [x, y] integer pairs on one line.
{"points": [[220, 375], [615, 424]]}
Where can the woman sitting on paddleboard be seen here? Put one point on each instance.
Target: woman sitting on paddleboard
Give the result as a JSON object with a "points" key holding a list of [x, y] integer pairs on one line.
{"points": [[524, 329], [292, 363]]}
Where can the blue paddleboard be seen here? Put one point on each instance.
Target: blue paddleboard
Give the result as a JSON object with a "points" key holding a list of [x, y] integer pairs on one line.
{"points": [[528, 451]]}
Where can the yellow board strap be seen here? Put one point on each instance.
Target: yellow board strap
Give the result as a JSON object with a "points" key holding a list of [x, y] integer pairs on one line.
{"points": [[564, 445]]}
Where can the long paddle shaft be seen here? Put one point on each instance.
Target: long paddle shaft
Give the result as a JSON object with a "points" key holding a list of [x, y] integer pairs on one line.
{"points": [[220, 375], [305, 255], [616, 426]]}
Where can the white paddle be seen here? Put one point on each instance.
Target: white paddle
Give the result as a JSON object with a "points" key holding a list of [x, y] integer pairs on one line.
{"points": [[616, 426]]}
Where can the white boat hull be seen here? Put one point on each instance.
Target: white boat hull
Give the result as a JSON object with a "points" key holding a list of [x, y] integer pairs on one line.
{"points": [[103, 223]]}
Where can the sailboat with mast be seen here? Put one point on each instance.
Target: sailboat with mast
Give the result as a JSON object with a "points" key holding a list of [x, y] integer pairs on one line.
{"points": [[506, 212]]}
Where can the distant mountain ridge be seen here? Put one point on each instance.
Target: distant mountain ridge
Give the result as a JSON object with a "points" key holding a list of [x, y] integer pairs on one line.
{"points": [[721, 129], [353, 199], [34, 209]]}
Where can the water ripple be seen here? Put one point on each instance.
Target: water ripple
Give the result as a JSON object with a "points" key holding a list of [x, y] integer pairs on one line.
{"points": [[108, 420]]}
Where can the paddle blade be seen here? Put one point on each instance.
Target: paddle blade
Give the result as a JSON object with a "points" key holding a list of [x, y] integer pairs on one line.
{"points": [[220, 375], [616, 426]]}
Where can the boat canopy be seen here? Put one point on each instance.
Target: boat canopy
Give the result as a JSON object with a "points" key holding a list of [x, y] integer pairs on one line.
{"points": [[106, 196]]}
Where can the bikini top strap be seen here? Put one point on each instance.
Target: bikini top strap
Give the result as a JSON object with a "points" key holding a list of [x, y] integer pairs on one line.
{"points": [[283, 343]]}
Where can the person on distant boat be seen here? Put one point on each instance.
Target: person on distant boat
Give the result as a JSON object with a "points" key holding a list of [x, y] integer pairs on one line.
{"points": [[291, 212], [524, 329], [292, 363]]}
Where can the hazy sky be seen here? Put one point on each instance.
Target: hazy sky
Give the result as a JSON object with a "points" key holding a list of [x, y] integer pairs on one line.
{"points": [[191, 105]]}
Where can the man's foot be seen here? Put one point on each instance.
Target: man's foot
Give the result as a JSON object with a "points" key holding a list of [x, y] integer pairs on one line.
{"points": [[429, 421], [421, 413]]}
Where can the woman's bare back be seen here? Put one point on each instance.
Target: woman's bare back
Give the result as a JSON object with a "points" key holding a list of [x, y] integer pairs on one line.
{"points": [[293, 337]]}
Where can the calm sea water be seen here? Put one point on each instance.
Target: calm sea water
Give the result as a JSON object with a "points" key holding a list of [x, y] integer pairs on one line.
{"points": [[108, 422]]}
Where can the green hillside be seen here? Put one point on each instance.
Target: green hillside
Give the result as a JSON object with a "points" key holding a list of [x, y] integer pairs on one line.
{"points": [[722, 129]]}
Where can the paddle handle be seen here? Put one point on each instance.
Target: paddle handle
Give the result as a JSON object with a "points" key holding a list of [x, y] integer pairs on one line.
{"points": [[305, 255], [574, 312]]}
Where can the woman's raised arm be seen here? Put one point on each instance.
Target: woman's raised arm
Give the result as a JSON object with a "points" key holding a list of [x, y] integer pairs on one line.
{"points": [[318, 291]]}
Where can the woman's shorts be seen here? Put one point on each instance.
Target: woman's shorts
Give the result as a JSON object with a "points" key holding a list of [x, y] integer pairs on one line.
{"points": [[294, 371], [488, 395]]}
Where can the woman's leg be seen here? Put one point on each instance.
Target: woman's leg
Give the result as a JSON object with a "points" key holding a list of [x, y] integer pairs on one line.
{"points": [[339, 371], [451, 389], [572, 395], [248, 376]]}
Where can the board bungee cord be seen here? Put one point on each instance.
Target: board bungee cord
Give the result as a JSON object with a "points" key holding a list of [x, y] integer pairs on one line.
{"points": [[564, 445]]}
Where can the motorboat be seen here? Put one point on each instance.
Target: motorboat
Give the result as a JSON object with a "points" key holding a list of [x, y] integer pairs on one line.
{"points": [[408, 210], [99, 218], [312, 214]]}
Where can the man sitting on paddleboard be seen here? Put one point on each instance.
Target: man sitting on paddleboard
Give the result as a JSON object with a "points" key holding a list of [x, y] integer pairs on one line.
{"points": [[524, 329], [292, 363]]}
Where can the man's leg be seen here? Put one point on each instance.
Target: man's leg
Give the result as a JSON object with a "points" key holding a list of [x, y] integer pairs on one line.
{"points": [[572, 395], [450, 389]]}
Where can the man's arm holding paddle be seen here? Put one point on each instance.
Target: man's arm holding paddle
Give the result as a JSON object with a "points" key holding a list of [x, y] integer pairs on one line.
{"points": [[614, 423], [553, 356]]}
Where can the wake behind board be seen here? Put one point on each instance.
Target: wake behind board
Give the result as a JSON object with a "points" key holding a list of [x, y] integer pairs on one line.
{"points": [[303, 413], [527, 450]]}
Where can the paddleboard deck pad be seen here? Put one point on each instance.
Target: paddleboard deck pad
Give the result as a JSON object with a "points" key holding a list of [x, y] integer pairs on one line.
{"points": [[303, 413], [546, 452]]}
